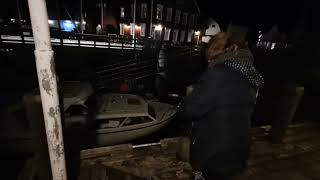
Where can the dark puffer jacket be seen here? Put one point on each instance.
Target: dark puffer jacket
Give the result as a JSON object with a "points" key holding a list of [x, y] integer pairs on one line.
{"points": [[220, 107]]}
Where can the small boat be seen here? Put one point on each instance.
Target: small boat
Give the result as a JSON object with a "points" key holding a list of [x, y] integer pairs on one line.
{"points": [[126, 117], [118, 118]]}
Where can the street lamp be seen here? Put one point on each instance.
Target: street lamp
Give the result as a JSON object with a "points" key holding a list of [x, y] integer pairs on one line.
{"points": [[51, 22], [197, 33], [158, 27]]}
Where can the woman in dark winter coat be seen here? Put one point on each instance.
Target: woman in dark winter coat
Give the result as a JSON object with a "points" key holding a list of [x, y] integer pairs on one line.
{"points": [[220, 108]]}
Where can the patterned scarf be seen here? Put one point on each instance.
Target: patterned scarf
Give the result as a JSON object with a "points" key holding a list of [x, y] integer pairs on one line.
{"points": [[241, 61]]}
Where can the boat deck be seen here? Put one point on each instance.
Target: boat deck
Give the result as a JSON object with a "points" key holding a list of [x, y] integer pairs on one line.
{"points": [[298, 158]]}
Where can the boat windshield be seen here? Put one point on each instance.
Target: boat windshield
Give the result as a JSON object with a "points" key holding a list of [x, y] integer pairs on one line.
{"points": [[151, 111], [137, 120], [110, 123], [134, 101], [77, 109]]}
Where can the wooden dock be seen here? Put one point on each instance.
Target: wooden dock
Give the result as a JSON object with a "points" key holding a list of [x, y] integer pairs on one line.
{"points": [[297, 158]]}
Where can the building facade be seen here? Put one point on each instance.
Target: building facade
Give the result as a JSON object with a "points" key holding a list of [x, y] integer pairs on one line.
{"points": [[170, 20]]}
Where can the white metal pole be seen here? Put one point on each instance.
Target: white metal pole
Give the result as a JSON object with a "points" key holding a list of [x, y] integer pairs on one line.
{"points": [[48, 87], [134, 19]]}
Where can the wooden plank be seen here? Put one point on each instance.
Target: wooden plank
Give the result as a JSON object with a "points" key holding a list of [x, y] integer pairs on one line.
{"points": [[104, 151]]}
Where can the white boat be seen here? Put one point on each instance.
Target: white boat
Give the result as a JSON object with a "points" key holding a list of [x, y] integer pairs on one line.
{"points": [[120, 118], [125, 117]]}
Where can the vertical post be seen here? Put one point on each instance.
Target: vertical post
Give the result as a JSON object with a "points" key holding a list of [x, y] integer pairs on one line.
{"points": [[48, 87], [151, 18], [101, 15], [122, 42], [79, 38], [19, 12], [81, 17], [198, 37], [109, 39], [134, 20], [59, 18], [19, 20]]}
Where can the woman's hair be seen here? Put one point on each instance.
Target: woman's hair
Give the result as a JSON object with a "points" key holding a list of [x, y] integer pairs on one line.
{"points": [[221, 43]]}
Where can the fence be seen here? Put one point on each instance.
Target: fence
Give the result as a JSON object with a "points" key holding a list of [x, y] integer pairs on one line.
{"points": [[24, 36]]}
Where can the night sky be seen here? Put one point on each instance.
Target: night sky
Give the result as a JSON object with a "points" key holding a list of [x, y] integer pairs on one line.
{"points": [[257, 13]]}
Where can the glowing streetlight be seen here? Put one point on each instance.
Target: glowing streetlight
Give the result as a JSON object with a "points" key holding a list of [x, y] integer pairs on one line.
{"points": [[51, 22], [197, 33], [127, 26], [158, 27]]}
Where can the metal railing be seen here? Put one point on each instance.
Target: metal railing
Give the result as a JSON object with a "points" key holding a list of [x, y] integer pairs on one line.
{"points": [[25, 36]]}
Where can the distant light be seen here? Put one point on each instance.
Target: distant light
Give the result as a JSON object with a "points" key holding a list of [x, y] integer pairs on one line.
{"points": [[197, 33], [136, 26], [126, 26], [77, 22], [158, 27], [259, 32], [273, 45], [260, 36], [83, 22], [51, 22], [68, 26], [13, 20]]}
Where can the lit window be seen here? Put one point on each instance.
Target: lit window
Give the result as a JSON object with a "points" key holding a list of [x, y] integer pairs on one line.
{"points": [[190, 33], [167, 34], [143, 29], [184, 19], [122, 29], [273, 45], [131, 29], [169, 14], [159, 11], [177, 17], [144, 7], [182, 36], [122, 12], [158, 31], [175, 35]]}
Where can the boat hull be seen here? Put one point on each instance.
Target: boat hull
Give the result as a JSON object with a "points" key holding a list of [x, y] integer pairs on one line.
{"points": [[128, 133]]}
